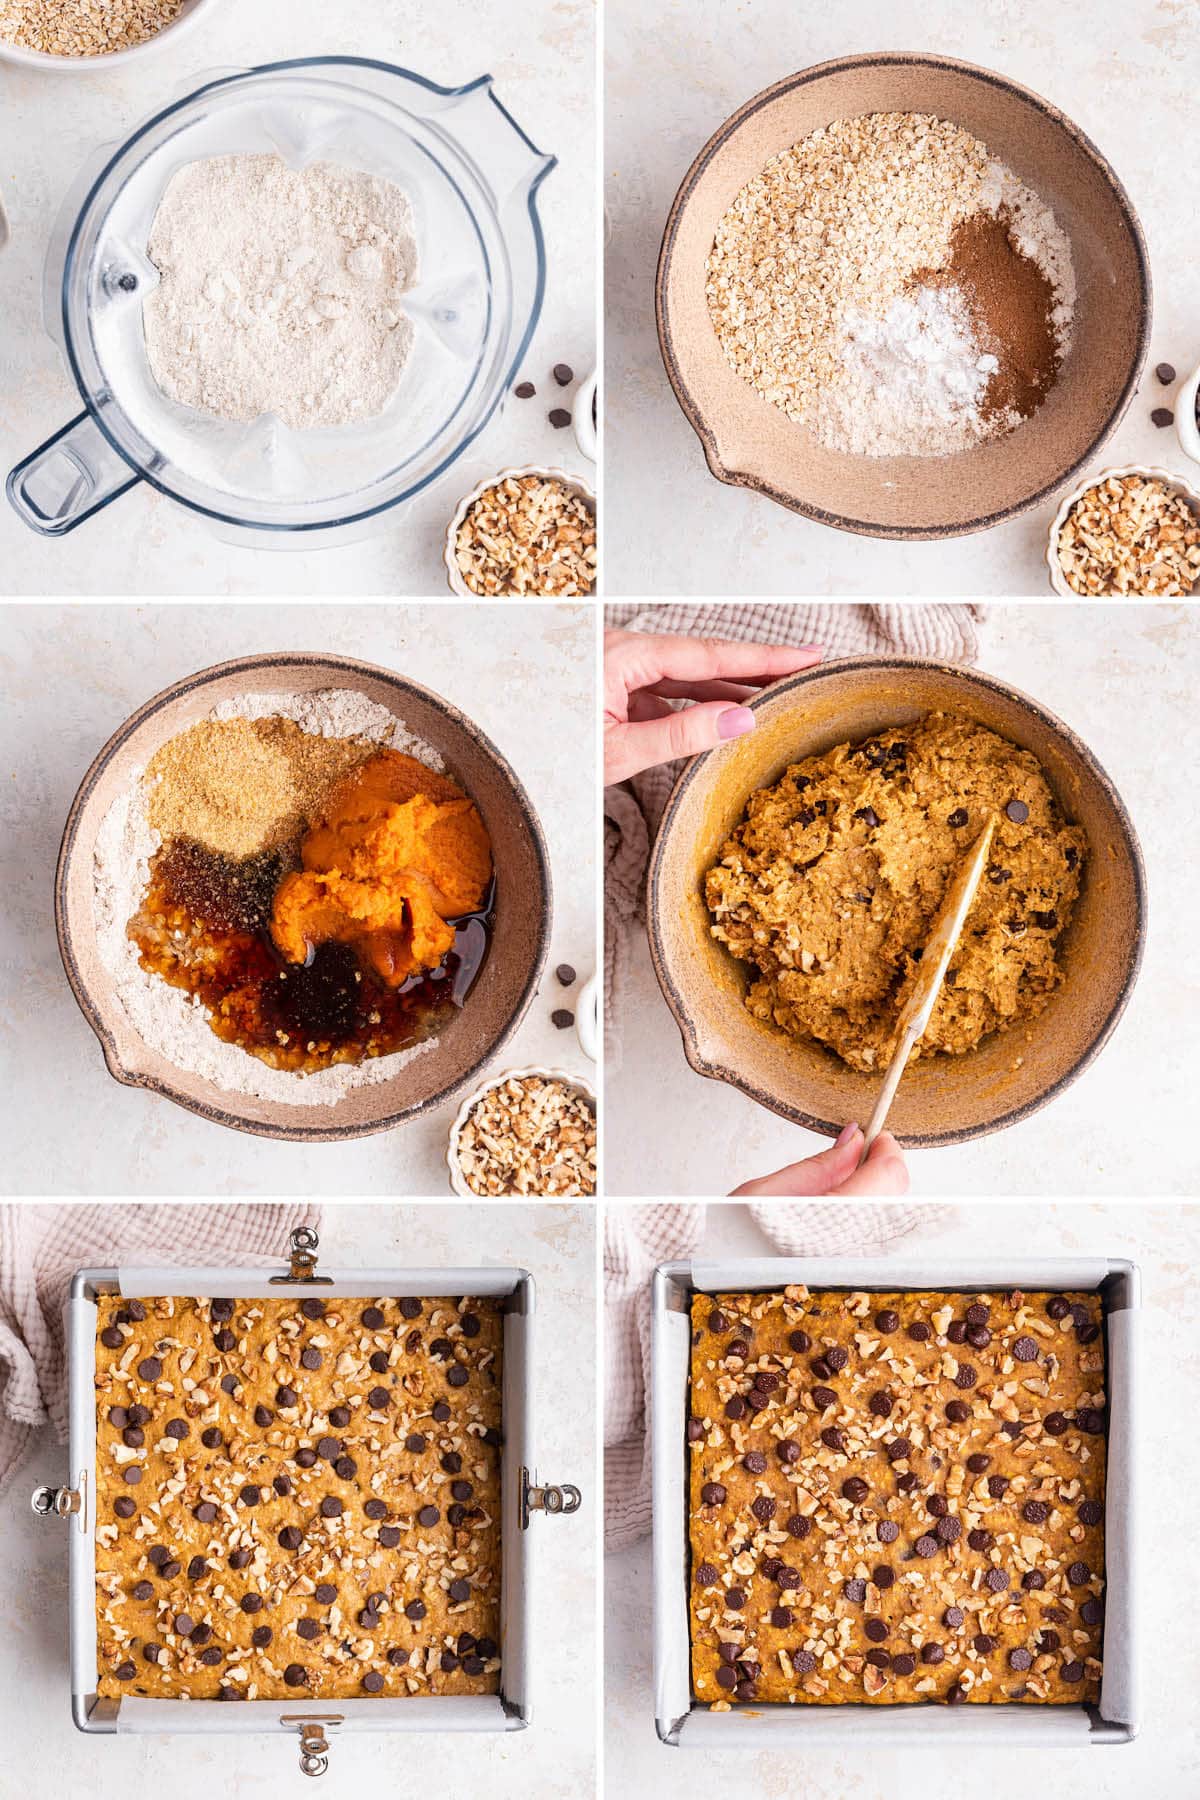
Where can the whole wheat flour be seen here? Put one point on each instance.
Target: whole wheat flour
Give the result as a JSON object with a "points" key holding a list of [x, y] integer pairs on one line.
{"points": [[281, 291], [834, 288], [166, 1019]]}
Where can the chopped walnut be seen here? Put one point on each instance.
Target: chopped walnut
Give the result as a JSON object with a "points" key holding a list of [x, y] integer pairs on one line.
{"points": [[1131, 534], [529, 534], [529, 1135]]}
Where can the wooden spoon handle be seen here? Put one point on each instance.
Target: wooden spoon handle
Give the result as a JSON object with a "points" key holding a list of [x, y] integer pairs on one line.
{"points": [[887, 1092]]}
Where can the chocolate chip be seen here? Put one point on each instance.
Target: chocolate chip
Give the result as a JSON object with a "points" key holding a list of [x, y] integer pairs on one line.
{"points": [[429, 1515], [149, 1369], [712, 1493], [197, 1568], [1079, 1574], [241, 1559], [953, 1617], [887, 1531], [1035, 1512], [1092, 1611], [904, 1665], [855, 1591], [1048, 1640], [956, 1331], [754, 1462], [249, 1495], [821, 1369], [980, 1539], [982, 1644], [876, 1630], [803, 1661], [1057, 1308], [379, 1361], [967, 1376], [978, 1336], [310, 1358], [144, 1590], [133, 1436], [251, 1603], [926, 1546], [331, 1507], [1032, 1580], [798, 1526], [1161, 416], [919, 1332], [330, 1448], [800, 1342], [524, 390], [735, 1599], [869, 817], [997, 1486], [726, 1678], [455, 1515], [1165, 372], [763, 1508], [1045, 921], [1090, 1512], [211, 1657], [559, 418], [1072, 1671], [263, 1416], [151, 1652], [1017, 811], [823, 1398], [225, 1339], [389, 1536], [564, 374], [881, 1403], [441, 1412], [158, 1554], [832, 1438], [1087, 1334], [1020, 1659], [948, 1530], [898, 1449], [368, 1618], [1055, 1424], [958, 818], [206, 1512], [125, 1671], [286, 1397], [887, 1321], [855, 1490], [958, 1412], [177, 1429], [883, 1577], [737, 1347], [124, 1507], [457, 1376], [788, 1451], [996, 1580], [282, 1485], [229, 1384], [378, 1399], [112, 1337], [375, 1509], [936, 1506], [291, 1537], [306, 1457], [932, 1653], [879, 1659], [296, 1675]]}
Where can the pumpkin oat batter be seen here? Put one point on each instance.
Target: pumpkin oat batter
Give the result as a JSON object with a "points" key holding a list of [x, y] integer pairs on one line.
{"points": [[831, 882], [897, 1497]]}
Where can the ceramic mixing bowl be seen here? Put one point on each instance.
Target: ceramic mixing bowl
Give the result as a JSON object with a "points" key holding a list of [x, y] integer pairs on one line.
{"points": [[503, 988], [750, 443], [942, 1099]]}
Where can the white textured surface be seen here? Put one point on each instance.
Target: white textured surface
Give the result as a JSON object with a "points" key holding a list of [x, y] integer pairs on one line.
{"points": [[542, 58], [70, 677], [1125, 73], [555, 1756], [1125, 679], [1165, 1242]]}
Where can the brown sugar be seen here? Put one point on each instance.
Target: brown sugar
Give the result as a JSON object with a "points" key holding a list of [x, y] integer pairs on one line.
{"points": [[1011, 305], [240, 787]]}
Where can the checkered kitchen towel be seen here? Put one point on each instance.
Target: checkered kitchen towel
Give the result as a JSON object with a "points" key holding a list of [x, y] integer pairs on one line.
{"points": [[632, 811], [636, 1238], [41, 1247]]}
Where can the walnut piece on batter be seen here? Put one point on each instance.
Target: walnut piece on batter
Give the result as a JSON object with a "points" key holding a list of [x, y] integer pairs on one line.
{"points": [[830, 884]]}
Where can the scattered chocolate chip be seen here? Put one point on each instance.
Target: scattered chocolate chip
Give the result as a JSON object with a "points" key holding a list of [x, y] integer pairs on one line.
{"points": [[869, 817], [735, 1599], [133, 1475], [958, 1412], [887, 1531], [800, 1342], [997, 1486], [887, 1321], [798, 1526], [855, 1591], [712, 1493], [225, 1339], [855, 1489], [1072, 1671], [1090, 1512], [996, 1580], [291, 1537], [559, 417], [982, 1644], [1162, 416], [958, 818], [214, 1655], [143, 1590], [1020, 1659], [296, 1675], [832, 1438], [881, 1403], [803, 1661], [564, 374], [1033, 1580], [133, 1436], [286, 1397], [823, 1398], [263, 1416], [331, 1507], [956, 1331], [206, 1512], [1079, 1574], [788, 1451], [124, 1507], [1165, 372], [125, 1671], [904, 1665], [251, 1603], [249, 1495], [111, 1337], [919, 1332], [150, 1368], [980, 1539], [1035, 1512], [948, 1530], [1017, 811], [524, 390], [310, 1358], [1048, 1641], [898, 1450], [953, 1617]]}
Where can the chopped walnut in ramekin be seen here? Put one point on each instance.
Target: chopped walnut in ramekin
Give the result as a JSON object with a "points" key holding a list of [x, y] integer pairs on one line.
{"points": [[530, 1134], [528, 534], [1130, 534]]}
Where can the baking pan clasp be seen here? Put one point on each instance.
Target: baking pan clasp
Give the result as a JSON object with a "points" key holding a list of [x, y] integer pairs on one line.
{"points": [[314, 1744], [565, 1498], [304, 1241], [62, 1502]]}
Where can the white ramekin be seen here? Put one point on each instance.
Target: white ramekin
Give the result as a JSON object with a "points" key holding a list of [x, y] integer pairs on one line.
{"points": [[1058, 581], [457, 584], [1185, 416], [587, 1019], [583, 417], [69, 65], [575, 1082]]}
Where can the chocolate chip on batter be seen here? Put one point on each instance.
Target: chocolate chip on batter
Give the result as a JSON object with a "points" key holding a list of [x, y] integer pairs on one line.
{"points": [[713, 1494], [803, 1661], [832, 1438], [286, 1397], [948, 1530], [998, 876], [457, 1376], [800, 1342], [143, 1590], [133, 1436], [737, 1347], [296, 1675], [1020, 1659], [718, 1324], [799, 1526], [958, 818], [1033, 1580], [1079, 1574], [996, 1580], [869, 817], [206, 1512], [306, 1457], [313, 1309], [1048, 1640], [251, 1603], [1057, 1308], [1035, 1512], [887, 1531], [966, 1377], [225, 1339], [919, 1332], [214, 1654], [372, 1318], [441, 1412], [823, 1398], [982, 1644], [855, 1490], [879, 1659], [150, 1368], [1055, 1424], [958, 1412], [1090, 1512], [1017, 811], [1092, 1611], [926, 1546], [898, 1449], [855, 1591], [429, 1515], [904, 1665], [979, 1539], [241, 1558], [1088, 1333], [291, 1537], [876, 1630], [997, 1486], [788, 1451], [379, 1361], [124, 1507], [956, 1331], [1090, 1419], [887, 1321], [881, 1403], [953, 1617], [389, 1536], [883, 1577], [125, 1671], [1072, 1671], [331, 1507], [763, 1508], [112, 1337], [310, 1358], [754, 1462], [1045, 921]]}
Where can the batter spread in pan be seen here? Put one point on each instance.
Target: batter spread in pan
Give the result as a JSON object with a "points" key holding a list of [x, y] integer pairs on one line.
{"points": [[830, 884]]}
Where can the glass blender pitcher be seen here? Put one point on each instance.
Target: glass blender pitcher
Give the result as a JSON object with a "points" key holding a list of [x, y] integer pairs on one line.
{"points": [[472, 177]]}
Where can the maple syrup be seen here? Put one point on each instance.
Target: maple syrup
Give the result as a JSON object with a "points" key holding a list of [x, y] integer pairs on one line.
{"points": [[205, 926]]}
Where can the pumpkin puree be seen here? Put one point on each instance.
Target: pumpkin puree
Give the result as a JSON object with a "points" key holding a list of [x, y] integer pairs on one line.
{"points": [[401, 851]]}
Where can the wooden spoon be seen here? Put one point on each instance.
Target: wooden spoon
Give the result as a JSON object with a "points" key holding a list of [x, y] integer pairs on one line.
{"points": [[935, 960]]}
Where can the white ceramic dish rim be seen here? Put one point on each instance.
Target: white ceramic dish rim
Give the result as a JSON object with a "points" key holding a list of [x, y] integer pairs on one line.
{"points": [[583, 416], [1178, 483], [579, 1083], [20, 57], [574, 482], [1185, 415]]}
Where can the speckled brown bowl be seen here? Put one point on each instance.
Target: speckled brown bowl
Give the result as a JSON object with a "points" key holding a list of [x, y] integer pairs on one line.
{"points": [[944, 1099], [750, 443], [503, 989]]}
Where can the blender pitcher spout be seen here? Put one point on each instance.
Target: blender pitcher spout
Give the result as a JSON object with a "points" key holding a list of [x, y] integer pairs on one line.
{"points": [[508, 160]]}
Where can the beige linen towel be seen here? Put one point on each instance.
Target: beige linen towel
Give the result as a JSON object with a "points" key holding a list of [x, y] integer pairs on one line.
{"points": [[636, 1238], [41, 1247], [949, 633]]}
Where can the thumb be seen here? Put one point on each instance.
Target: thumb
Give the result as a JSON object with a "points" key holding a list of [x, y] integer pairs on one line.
{"points": [[685, 733], [821, 1174]]}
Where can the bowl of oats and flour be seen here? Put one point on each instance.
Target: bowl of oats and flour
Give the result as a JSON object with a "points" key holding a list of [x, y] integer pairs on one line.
{"points": [[903, 296], [303, 897]]}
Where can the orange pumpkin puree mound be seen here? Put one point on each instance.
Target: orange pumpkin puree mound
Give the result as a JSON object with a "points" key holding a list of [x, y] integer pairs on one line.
{"points": [[401, 851]]}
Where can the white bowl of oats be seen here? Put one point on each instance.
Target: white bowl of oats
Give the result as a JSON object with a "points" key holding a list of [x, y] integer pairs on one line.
{"points": [[528, 1132], [69, 35], [1132, 532], [524, 534]]}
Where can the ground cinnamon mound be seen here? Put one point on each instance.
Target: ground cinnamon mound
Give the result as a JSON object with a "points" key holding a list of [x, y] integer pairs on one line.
{"points": [[1011, 305], [242, 786]]}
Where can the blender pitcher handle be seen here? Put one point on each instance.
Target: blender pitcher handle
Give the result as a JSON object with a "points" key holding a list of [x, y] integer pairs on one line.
{"points": [[67, 479]]}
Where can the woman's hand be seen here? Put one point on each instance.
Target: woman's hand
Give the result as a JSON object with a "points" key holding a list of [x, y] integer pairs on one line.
{"points": [[643, 674], [836, 1171]]}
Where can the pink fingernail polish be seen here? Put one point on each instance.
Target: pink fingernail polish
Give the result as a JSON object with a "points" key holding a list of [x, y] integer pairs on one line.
{"points": [[847, 1132], [735, 723]]}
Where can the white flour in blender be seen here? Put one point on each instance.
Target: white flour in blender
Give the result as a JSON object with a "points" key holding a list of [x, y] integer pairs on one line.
{"points": [[281, 291]]}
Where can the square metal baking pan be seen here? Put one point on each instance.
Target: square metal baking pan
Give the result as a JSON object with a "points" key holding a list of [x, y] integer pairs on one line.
{"points": [[510, 1710], [682, 1720]]}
